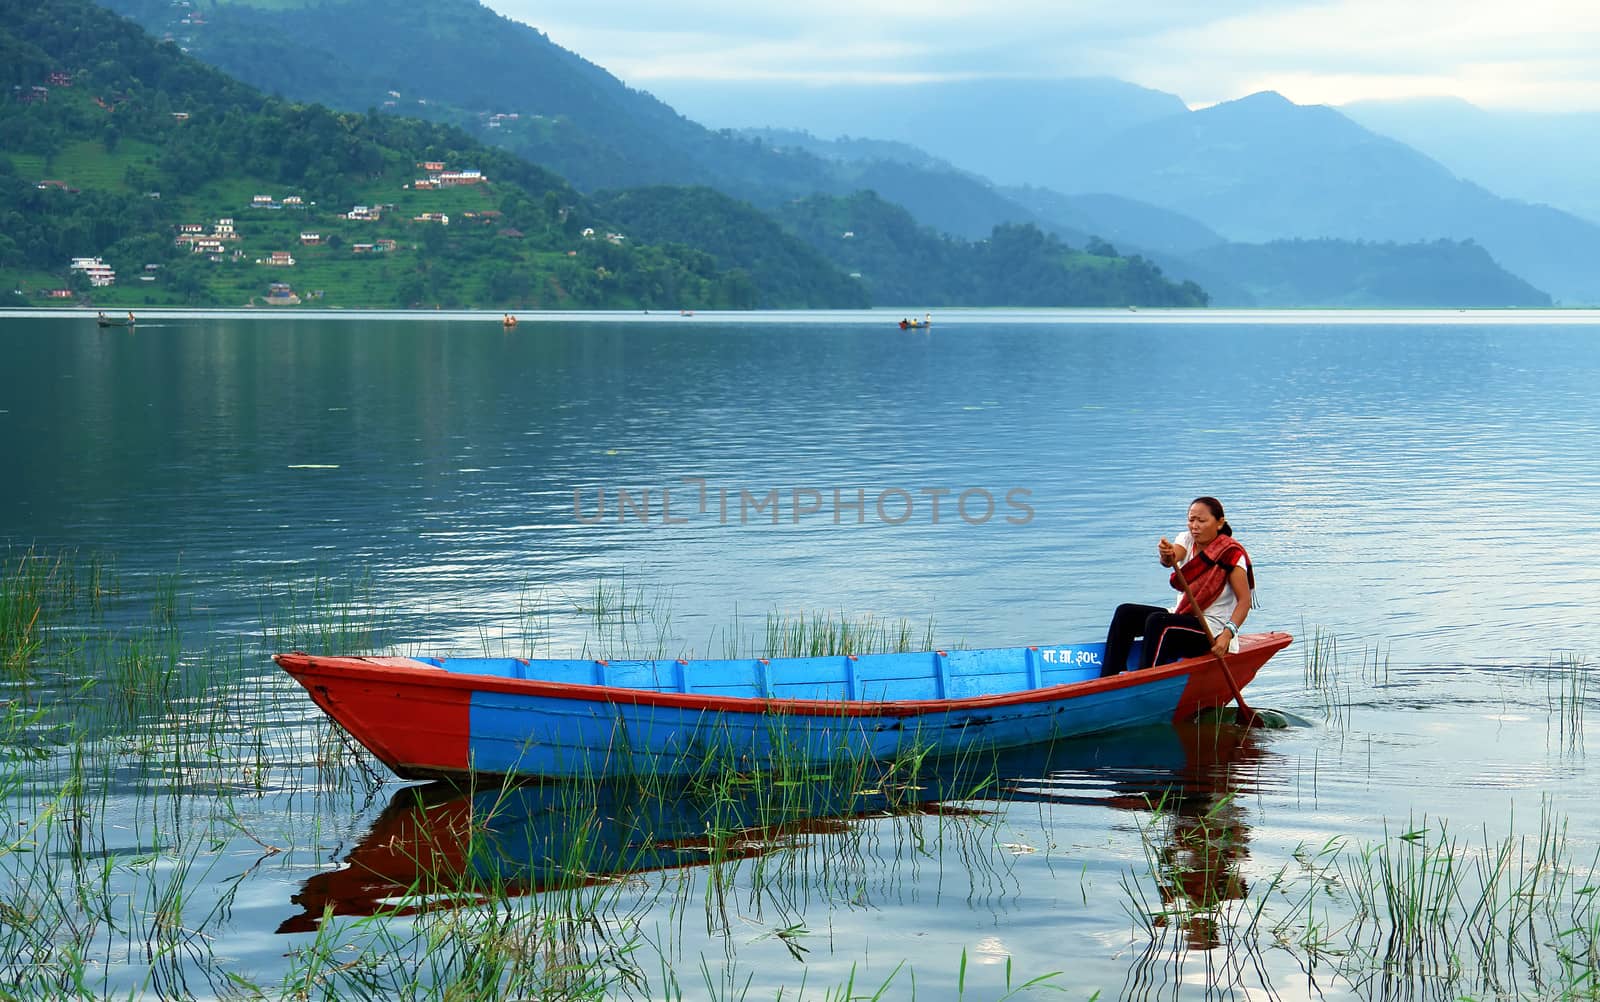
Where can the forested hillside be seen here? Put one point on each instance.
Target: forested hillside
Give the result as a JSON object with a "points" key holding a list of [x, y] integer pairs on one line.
{"points": [[736, 235], [1342, 273], [903, 263], [460, 62], [194, 188], [508, 84]]}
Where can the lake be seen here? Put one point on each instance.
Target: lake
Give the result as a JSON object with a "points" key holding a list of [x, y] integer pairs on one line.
{"points": [[1417, 490]]}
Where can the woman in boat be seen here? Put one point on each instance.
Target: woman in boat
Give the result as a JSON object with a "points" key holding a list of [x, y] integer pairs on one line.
{"points": [[1218, 572]]}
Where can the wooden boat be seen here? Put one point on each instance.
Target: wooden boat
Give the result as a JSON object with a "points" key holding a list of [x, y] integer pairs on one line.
{"points": [[444, 717]]}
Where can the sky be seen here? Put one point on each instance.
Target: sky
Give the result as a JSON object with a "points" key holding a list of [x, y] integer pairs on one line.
{"points": [[1527, 54]]}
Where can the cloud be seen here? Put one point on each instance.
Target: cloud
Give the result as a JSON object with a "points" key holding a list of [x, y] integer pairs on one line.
{"points": [[1535, 53], [1483, 50]]}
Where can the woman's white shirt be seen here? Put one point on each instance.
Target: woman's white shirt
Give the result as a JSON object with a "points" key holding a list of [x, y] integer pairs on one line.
{"points": [[1219, 612]]}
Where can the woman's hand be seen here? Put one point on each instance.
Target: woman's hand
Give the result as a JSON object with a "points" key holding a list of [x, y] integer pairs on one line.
{"points": [[1223, 639], [1167, 553]]}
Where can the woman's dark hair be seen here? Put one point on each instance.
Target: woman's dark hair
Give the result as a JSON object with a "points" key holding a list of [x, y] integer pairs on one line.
{"points": [[1216, 512]]}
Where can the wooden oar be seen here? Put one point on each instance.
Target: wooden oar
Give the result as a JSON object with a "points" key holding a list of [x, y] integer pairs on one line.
{"points": [[1250, 718]]}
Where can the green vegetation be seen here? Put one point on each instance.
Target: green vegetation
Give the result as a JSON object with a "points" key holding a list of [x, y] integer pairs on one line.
{"points": [[1514, 918], [749, 244], [142, 141], [458, 62], [1019, 265]]}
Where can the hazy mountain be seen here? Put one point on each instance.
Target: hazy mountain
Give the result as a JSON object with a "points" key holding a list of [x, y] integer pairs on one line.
{"points": [[1075, 218], [846, 149], [1537, 157], [1262, 168], [1350, 274], [1010, 131], [1138, 169], [1118, 220]]}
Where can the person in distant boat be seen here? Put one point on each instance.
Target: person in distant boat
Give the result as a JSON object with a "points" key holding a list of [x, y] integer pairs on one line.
{"points": [[904, 323], [130, 316], [1222, 579], [102, 316]]}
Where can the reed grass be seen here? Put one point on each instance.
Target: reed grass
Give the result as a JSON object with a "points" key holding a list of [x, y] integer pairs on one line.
{"points": [[1319, 657], [149, 776], [820, 634], [625, 622], [1510, 918], [324, 616], [1567, 682], [40, 588], [631, 621], [1331, 676]]}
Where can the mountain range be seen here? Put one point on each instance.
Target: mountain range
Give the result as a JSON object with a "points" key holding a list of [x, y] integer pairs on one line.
{"points": [[1205, 195], [1251, 170], [127, 157], [1544, 157]]}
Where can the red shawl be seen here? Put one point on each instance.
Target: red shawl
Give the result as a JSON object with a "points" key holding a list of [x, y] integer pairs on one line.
{"points": [[1208, 569]]}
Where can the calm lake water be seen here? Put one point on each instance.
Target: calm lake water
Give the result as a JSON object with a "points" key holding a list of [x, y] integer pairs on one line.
{"points": [[1419, 489]]}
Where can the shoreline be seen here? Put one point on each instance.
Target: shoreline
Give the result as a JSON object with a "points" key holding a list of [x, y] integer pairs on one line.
{"points": [[1573, 316]]}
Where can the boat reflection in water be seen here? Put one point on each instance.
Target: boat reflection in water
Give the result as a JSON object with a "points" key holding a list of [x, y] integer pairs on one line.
{"points": [[439, 846], [1196, 835]]}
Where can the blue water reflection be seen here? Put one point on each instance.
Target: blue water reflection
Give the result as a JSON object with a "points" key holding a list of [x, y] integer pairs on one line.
{"points": [[1427, 485]]}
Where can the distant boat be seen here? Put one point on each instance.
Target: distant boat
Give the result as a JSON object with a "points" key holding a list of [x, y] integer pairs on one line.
{"points": [[428, 718], [914, 324], [509, 321], [114, 321]]}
